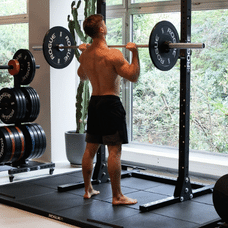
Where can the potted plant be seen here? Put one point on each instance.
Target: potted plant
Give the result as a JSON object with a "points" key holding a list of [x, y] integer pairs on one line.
{"points": [[75, 140]]}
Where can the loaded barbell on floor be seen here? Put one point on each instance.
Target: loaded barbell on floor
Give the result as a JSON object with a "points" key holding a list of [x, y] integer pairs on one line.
{"points": [[164, 46], [23, 66]]}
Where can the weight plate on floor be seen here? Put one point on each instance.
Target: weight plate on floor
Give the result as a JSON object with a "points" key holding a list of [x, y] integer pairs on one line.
{"points": [[27, 66], [9, 106], [5, 145], [162, 57], [58, 58]]}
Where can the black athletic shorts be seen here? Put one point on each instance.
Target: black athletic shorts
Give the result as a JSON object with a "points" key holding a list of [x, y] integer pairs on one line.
{"points": [[106, 122]]}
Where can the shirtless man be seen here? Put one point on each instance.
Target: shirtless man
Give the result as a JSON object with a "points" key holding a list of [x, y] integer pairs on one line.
{"points": [[106, 118]]}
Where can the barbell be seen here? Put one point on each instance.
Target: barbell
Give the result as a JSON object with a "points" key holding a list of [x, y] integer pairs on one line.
{"points": [[164, 46], [22, 66]]}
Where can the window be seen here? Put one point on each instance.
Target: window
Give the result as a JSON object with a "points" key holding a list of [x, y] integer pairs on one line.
{"points": [[154, 109], [13, 7], [209, 82], [143, 1], [114, 2], [156, 94], [14, 34]]}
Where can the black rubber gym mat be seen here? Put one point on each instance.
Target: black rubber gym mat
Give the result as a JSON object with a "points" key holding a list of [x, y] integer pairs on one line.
{"points": [[40, 196]]}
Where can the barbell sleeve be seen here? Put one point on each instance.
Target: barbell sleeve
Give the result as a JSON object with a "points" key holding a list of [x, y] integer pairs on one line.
{"points": [[186, 45], [37, 48], [6, 67]]}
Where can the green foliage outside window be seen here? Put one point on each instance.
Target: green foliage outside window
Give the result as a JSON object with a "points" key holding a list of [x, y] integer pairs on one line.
{"points": [[156, 94]]}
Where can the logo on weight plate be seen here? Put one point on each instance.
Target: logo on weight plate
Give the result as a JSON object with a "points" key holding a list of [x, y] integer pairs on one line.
{"points": [[50, 44]]}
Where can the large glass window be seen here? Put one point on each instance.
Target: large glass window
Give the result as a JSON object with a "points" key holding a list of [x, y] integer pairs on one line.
{"points": [[13, 7], [114, 2], [156, 95], [13, 36], [144, 1], [209, 82]]}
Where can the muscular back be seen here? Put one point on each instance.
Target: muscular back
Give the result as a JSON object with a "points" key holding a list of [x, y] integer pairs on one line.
{"points": [[104, 66], [98, 66]]}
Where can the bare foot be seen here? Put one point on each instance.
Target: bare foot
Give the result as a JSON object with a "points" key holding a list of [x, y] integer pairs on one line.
{"points": [[90, 193], [123, 200]]}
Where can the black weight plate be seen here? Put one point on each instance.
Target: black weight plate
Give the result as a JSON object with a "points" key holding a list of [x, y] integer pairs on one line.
{"points": [[30, 104], [13, 143], [27, 66], [5, 146], [37, 141], [44, 141], [9, 106], [22, 101], [35, 107], [40, 136], [17, 139], [22, 139], [33, 96], [37, 103], [30, 143], [18, 98], [58, 58], [162, 57]]}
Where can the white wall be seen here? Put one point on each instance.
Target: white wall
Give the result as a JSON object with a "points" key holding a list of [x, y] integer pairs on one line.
{"points": [[56, 88]]}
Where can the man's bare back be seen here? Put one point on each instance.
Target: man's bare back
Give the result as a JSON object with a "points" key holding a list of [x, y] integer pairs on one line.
{"points": [[103, 66], [98, 65]]}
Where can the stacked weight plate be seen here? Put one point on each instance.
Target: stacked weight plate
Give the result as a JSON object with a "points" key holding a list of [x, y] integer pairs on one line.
{"points": [[20, 142], [27, 141], [19, 105]]}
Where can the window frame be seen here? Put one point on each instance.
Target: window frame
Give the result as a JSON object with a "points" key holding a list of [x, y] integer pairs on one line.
{"points": [[15, 19]]}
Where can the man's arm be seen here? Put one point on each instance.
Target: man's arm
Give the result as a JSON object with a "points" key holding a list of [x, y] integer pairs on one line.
{"points": [[82, 74], [129, 71]]}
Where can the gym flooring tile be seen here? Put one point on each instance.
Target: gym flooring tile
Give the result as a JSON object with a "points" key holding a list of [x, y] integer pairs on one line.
{"points": [[137, 183], [151, 220], [55, 201], [142, 198], [189, 211], [163, 189], [54, 181], [105, 191], [99, 210], [206, 199], [23, 190]]}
